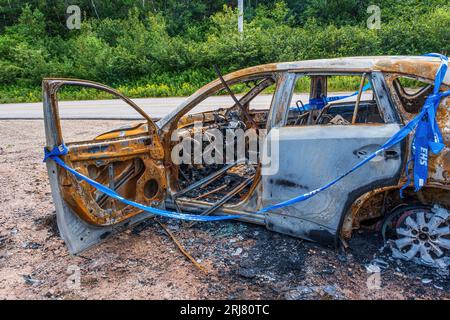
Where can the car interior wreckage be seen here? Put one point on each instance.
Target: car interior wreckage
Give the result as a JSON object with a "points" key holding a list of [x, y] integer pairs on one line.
{"points": [[313, 146]]}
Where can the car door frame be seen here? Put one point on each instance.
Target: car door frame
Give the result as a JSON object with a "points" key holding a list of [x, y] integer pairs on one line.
{"points": [[77, 233], [168, 124]]}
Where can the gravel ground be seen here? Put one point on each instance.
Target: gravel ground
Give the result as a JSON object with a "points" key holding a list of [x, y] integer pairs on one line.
{"points": [[243, 261]]}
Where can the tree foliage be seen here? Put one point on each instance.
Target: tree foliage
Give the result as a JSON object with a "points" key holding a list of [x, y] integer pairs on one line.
{"points": [[168, 47]]}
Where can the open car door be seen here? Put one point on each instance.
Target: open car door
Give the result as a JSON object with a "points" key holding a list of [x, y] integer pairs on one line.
{"points": [[128, 161]]}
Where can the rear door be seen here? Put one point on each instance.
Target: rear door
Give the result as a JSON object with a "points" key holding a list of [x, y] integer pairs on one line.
{"points": [[312, 155], [128, 160]]}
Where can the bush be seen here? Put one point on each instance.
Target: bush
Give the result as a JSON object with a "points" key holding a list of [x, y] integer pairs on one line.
{"points": [[145, 52]]}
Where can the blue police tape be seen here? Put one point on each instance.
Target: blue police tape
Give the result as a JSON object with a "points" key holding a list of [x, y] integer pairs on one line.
{"points": [[427, 136], [335, 98], [62, 150], [319, 103]]}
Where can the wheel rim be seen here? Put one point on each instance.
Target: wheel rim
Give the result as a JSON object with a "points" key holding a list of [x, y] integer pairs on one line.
{"points": [[423, 235]]}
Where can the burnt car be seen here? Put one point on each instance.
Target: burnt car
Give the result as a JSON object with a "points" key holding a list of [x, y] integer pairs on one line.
{"points": [[313, 146]]}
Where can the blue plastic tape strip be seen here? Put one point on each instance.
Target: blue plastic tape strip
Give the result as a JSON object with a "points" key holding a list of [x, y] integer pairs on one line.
{"points": [[428, 136], [319, 103], [62, 150]]}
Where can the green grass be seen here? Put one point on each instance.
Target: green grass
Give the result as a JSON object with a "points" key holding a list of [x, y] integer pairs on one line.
{"points": [[13, 94]]}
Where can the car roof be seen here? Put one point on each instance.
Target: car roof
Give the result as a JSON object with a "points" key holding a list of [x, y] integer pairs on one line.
{"points": [[419, 66]]}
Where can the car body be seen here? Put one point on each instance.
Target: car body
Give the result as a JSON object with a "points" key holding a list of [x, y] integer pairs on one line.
{"points": [[314, 147]]}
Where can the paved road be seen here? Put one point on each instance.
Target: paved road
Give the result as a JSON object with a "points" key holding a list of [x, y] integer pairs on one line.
{"points": [[117, 109]]}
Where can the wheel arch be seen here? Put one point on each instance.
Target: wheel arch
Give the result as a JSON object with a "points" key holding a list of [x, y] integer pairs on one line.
{"points": [[378, 202]]}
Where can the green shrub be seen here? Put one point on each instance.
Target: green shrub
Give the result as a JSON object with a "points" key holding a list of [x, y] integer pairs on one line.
{"points": [[154, 50]]}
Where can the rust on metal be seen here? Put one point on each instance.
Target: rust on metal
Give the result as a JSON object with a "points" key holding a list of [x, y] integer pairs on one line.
{"points": [[137, 163]]}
